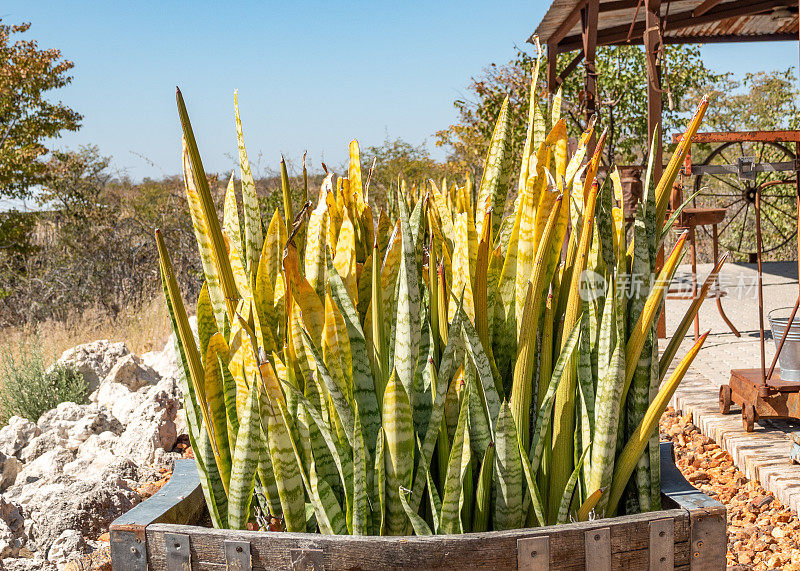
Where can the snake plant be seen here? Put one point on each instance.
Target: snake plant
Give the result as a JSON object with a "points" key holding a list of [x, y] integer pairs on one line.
{"points": [[437, 369]]}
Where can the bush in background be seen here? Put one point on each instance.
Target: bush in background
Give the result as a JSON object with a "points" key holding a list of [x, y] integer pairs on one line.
{"points": [[28, 388]]}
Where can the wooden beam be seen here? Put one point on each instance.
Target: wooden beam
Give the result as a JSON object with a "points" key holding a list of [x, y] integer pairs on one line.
{"points": [[574, 17], [589, 18], [568, 23], [616, 5], [570, 68], [780, 136], [652, 43], [705, 7], [722, 39], [552, 60], [553, 80], [619, 34]]}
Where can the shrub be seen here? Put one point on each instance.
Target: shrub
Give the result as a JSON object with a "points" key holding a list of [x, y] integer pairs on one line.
{"points": [[28, 388]]}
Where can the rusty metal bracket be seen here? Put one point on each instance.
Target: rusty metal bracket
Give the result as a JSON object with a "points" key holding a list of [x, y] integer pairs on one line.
{"points": [[662, 544], [533, 553], [129, 550], [179, 557], [597, 549], [237, 555], [707, 551], [745, 168], [307, 559]]}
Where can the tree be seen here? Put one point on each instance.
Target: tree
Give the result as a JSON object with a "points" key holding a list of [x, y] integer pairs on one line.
{"points": [[396, 159], [764, 100], [621, 97], [27, 118]]}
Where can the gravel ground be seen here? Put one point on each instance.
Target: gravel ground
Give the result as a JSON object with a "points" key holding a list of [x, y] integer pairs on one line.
{"points": [[762, 533]]}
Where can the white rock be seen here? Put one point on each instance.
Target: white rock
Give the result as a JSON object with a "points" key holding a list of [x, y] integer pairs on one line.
{"points": [[93, 360], [163, 460], [35, 493], [120, 400], [95, 422], [68, 546], [152, 427], [41, 444], [78, 421], [12, 529], [16, 435], [93, 456], [9, 468], [85, 506], [132, 372], [65, 414], [47, 464], [165, 363], [180, 423], [25, 564], [125, 387]]}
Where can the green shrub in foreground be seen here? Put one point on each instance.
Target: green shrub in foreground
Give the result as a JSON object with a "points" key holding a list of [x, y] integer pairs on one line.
{"points": [[28, 388]]}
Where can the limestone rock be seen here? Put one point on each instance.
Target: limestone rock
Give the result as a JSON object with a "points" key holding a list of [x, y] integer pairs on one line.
{"points": [[131, 372], [180, 423], [88, 507], [134, 475], [165, 363], [16, 435], [9, 468], [125, 387], [79, 421], [152, 427], [51, 462], [12, 529], [93, 360], [26, 564], [68, 546], [93, 455], [98, 560], [41, 444], [163, 460], [34, 493]]}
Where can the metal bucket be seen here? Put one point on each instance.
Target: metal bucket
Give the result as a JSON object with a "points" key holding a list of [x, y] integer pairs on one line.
{"points": [[790, 354]]}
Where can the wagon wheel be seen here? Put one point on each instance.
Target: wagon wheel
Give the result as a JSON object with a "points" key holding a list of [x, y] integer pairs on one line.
{"points": [[778, 201], [749, 417], [725, 399]]}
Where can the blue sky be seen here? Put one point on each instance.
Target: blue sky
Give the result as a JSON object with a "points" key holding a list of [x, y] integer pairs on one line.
{"points": [[311, 75]]}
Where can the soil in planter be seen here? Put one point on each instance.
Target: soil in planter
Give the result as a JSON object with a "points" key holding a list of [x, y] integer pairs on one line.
{"points": [[762, 533]]}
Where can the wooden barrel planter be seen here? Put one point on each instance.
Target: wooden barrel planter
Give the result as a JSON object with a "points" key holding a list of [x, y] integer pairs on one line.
{"points": [[161, 534]]}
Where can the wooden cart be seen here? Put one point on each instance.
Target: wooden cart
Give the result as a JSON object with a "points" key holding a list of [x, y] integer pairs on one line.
{"points": [[774, 199]]}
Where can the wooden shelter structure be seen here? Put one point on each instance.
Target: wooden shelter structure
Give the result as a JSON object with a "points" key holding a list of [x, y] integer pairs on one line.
{"points": [[583, 25]]}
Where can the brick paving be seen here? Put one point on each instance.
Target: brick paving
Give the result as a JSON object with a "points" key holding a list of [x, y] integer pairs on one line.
{"points": [[764, 453]]}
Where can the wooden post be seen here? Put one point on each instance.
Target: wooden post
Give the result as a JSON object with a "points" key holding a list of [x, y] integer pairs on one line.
{"points": [[652, 44], [552, 60], [589, 16]]}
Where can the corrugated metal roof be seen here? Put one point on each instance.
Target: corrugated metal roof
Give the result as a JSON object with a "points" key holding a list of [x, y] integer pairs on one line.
{"points": [[729, 20]]}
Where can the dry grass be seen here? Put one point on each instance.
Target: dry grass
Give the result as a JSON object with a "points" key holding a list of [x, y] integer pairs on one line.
{"points": [[144, 329]]}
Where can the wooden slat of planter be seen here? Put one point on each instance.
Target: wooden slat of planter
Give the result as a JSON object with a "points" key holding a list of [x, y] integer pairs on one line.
{"points": [[699, 536], [180, 501], [707, 516], [494, 550]]}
